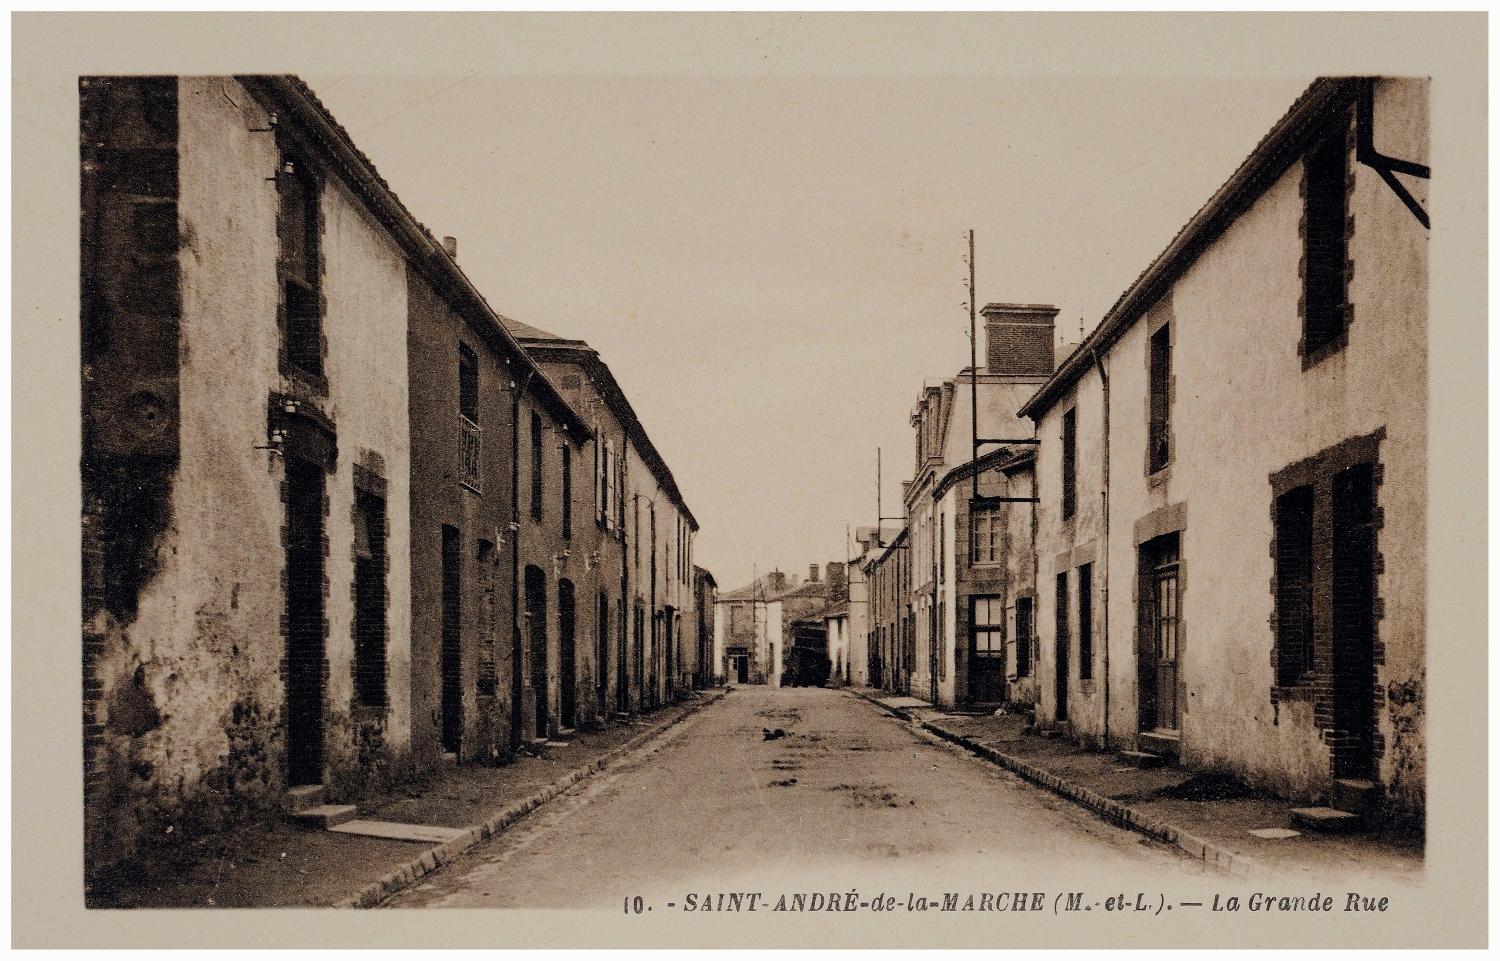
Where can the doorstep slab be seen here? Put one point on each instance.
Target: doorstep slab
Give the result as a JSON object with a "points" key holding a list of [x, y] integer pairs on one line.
{"points": [[396, 831]]}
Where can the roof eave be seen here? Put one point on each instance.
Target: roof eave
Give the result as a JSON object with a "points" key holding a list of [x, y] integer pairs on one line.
{"points": [[1272, 155]]}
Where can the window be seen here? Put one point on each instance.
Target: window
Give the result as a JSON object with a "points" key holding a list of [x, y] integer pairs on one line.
{"points": [[536, 465], [468, 383], [942, 552], [369, 599], [986, 626], [1294, 577], [1159, 433], [601, 471], [1324, 210], [1069, 463], [1086, 622], [1023, 636], [984, 537], [567, 492], [300, 266]]}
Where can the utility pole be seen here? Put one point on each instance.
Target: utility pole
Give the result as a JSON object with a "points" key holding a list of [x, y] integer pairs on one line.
{"points": [[973, 371]]}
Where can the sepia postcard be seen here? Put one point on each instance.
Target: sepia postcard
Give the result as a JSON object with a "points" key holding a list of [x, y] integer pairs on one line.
{"points": [[749, 480]]}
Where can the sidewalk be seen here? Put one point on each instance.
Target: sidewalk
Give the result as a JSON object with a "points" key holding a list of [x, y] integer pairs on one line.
{"points": [[1208, 818], [274, 863]]}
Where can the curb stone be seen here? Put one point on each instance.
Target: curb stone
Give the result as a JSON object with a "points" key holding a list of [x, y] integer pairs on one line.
{"points": [[376, 892], [1220, 859]]}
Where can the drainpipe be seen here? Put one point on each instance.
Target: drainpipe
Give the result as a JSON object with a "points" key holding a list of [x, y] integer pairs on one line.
{"points": [[1104, 572], [517, 691]]}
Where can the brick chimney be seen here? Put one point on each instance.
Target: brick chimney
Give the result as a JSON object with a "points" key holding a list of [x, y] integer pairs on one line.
{"points": [[837, 579], [777, 582], [1019, 339], [450, 244], [812, 573]]}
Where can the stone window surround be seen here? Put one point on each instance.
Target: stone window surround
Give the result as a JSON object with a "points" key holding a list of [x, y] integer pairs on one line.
{"points": [[1340, 340]]}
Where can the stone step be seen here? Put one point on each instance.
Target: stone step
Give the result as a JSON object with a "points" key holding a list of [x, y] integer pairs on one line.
{"points": [[1159, 742], [1326, 820], [1354, 795], [304, 796], [325, 816], [1142, 759], [396, 831]]}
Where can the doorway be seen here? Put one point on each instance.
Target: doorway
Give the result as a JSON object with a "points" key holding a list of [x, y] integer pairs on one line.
{"points": [[986, 650], [536, 625], [1353, 633], [1161, 641], [567, 661], [452, 653], [1062, 640], [304, 619]]}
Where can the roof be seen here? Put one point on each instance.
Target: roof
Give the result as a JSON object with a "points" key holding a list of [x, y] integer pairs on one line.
{"points": [[524, 331], [550, 347], [1001, 459], [294, 98], [1277, 150], [841, 609]]}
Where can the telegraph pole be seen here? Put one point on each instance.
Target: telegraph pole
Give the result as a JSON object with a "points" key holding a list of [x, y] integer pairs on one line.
{"points": [[973, 371]]}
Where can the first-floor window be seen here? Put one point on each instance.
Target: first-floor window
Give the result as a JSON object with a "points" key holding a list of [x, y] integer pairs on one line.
{"points": [[984, 542]]}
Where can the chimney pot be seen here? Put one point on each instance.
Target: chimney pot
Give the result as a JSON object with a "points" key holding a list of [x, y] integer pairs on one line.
{"points": [[450, 244], [812, 573]]}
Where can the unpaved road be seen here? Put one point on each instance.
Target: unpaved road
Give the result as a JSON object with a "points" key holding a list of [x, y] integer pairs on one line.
{"points": [[849, 798]]}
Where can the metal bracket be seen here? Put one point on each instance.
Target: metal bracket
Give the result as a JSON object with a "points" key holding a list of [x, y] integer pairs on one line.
{"points": [[1387, 167]]}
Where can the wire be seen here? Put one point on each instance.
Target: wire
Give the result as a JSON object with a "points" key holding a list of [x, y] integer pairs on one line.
{"points": [[414, 105]]}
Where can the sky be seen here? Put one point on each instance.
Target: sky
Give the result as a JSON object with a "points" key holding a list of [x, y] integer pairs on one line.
{"points": [[774, 266]]}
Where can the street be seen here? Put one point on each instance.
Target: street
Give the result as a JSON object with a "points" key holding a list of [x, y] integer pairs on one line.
{"points": [[849, 798]]}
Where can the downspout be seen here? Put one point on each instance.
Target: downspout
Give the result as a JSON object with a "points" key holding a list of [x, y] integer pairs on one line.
{"points": [[517, 691], [1104, 572]]}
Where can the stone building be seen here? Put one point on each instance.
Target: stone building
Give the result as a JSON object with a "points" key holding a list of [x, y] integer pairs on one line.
{"points": [[956, 576], [891, 645], [707, 670], [335, 526], [1232, 528], [747, 630], [497, 508], [246, 457], [636, 558]]}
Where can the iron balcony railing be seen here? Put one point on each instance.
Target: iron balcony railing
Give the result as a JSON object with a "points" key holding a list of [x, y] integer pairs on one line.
{"points": [[469, 446]]}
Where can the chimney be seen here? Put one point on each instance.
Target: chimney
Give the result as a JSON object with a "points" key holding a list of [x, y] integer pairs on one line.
{"points": [[450, 244], [1019, 339], [777, 582], [837, 579], [812, 573]]}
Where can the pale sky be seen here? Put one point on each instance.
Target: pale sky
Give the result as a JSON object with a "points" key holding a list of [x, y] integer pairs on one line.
{"points": [[773, 267]]}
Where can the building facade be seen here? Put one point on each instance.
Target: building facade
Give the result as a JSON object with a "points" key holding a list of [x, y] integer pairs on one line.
{"points": [[336, 524], [955, 575], [1232, 524]]}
